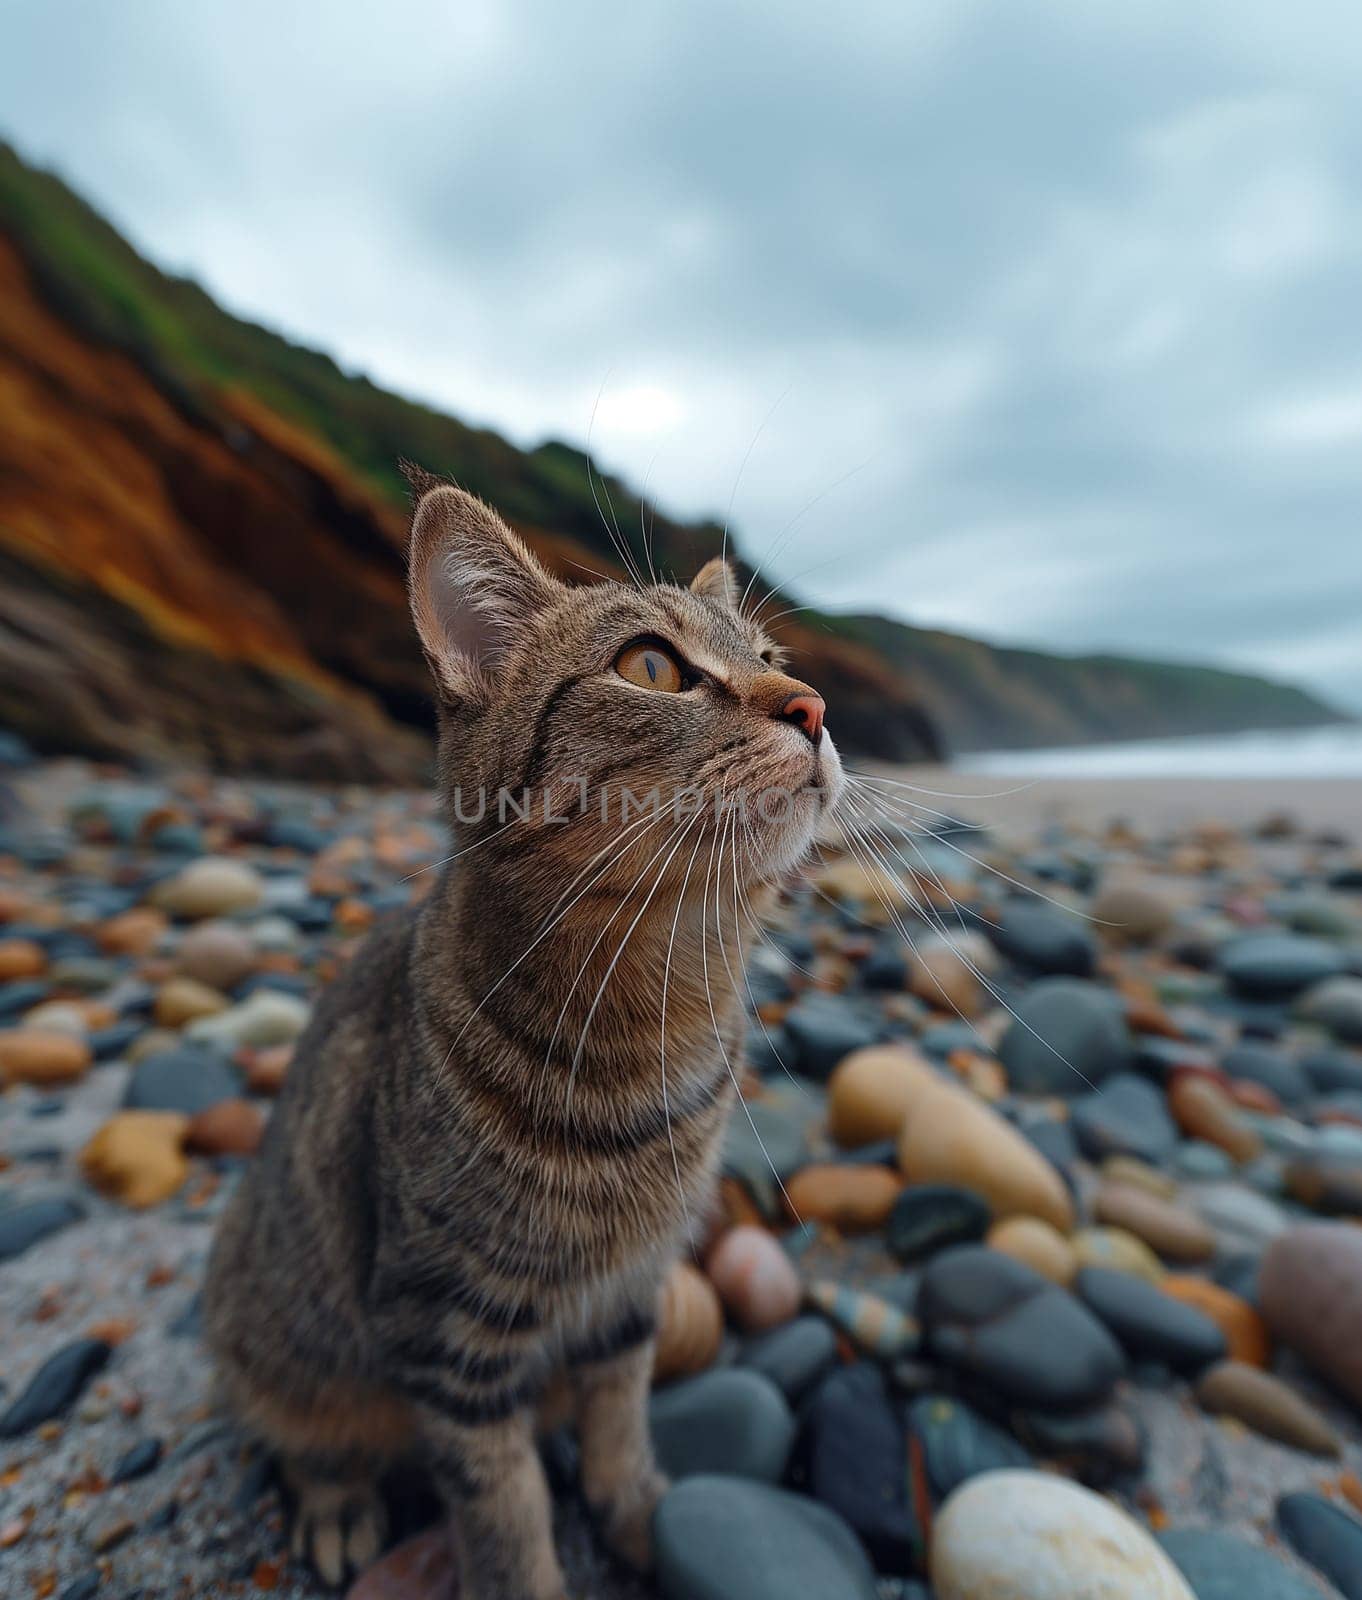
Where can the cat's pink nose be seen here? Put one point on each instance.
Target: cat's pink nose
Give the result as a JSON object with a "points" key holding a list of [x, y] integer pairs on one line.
{"points": [[805, 710]]}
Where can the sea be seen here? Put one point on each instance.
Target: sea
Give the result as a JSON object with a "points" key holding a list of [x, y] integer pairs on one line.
{"points": [[1329, 752]]}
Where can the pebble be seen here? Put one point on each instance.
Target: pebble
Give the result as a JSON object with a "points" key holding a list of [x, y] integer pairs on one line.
{"points": [[1238, 1215], [690, 1323], [1043, 1248], [948, 980], [755, 1279], [217, 954], [1220, 1566], [1176, 1233], [1326, 1536], [733, 1420], [991, 1318], [1127, 1116], [1043, 939], [136, 1157], [26, 1222], [1277, 966], [55, 1386], [420, 1568], [1244, 1329], [934, 1216], [1151, 1325], [132, 933], [1030, 1536], [957, 1444], [824, 1029], [266, 1017], [873, 1324], [184, 1000], [794, 1357], [853, 1199], [229, 1128], [1336, 1004], [1202, 1109], [1132, 1171], [187, 1079], [138, 1460], [1251, 1062], [21, 958], [1267, 1405], [856, 1460], [1126, 912], [47, 1059], [214, 886], [1067, 1036], [951, 1137], [871, 1091], [1119, 1250], [723, 1538], [1310, 1294], [1098, 1446]]}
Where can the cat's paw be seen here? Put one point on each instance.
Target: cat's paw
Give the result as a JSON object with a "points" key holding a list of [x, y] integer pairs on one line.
{"points": [[338, 1530], [627, 1523]]}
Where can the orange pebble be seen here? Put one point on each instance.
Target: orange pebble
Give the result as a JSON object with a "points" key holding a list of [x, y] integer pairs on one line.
{"points": [[1242, 1326]]}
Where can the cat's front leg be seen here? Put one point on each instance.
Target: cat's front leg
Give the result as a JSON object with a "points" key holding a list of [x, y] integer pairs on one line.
{"points": [[491, 1477], [620, 1478]]}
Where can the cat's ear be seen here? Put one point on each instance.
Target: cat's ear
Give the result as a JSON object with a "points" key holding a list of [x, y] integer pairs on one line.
{"points": [[717, 581], [474, 588]]}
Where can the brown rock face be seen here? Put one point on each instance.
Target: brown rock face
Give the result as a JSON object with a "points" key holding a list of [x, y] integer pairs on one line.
{"points": [[1310, 1291]]}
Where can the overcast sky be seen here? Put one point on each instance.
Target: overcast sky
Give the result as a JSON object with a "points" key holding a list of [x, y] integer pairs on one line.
{"points": [[1057, 307]]}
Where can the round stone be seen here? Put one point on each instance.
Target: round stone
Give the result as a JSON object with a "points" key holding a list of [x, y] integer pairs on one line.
{"points": [[187, 1080], [1151, 1325], [854, 1450], [950, 1137], [137, 1157], [934, 1216], [1043, 938], [1277, 966], [216, 954], [1265, 1404], [1220, 1566], [1202, 1109], [853, 1199], [43, 1057], [794, 1357], [1067, 1036], [1176, 1233], [1336, 1004], [1031, 1536], [1245, 1331], [1326, 1536], [266, 1017], [1310, 1292], [1127, 911], [993, 1319], [690, 1323], [229, 1128], [1127, 1116], [754, 1277], [1118, 1250], [870, 1092], [182, 1000], [824, 1030], [1041, 1247], [733, 1420], [55, 1386], [214, 886], [724, 1538]]}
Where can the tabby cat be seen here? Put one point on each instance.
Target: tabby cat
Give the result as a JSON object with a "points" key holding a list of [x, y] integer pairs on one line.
{"points": [[505, 1116]]}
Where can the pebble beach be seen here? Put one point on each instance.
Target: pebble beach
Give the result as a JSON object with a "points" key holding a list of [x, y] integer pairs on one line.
{"points": [[1034, 1269]]}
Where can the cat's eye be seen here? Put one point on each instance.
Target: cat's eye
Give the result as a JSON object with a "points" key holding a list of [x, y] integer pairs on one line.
{"points": [[650, 667]]}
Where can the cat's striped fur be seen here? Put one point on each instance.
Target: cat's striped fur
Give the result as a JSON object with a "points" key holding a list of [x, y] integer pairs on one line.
{"points": [[485, 1157]]}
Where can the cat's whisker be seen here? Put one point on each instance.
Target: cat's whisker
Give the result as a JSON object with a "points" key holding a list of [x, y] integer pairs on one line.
{"points": [[980, 978], [723, 1048], [887, 802], [615, 960], [467, 849], [662, 1035], [595, 945], [939, 794], [547, 927]]}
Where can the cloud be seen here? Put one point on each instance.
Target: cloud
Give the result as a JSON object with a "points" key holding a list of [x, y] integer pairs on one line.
{"points": [[1043, 314]]}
